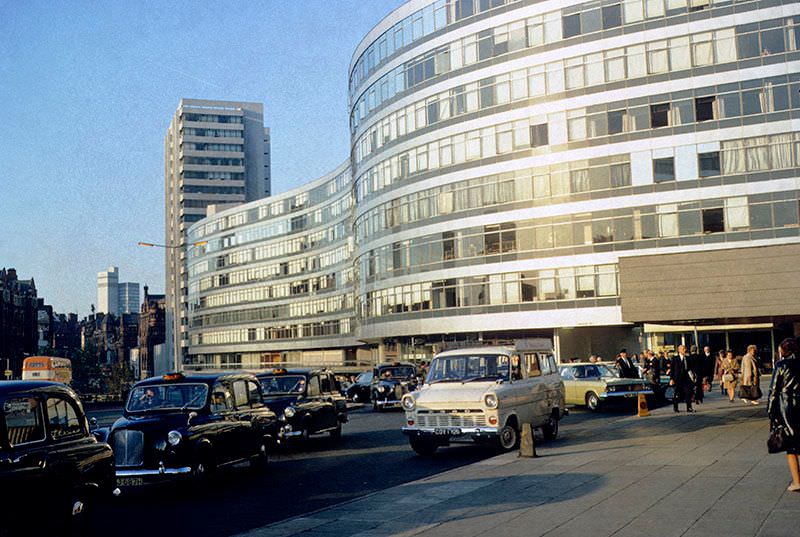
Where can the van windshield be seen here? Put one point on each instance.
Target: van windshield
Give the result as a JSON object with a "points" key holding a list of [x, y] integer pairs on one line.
{"points": [[468, 367]]}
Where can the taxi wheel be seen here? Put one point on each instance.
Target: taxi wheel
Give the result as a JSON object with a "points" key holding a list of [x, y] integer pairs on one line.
{"points": [[592, 402], [508, 438], [550, 429], [336, 433], [204, 467], [79, 512], [424, 447], [260, 460]]}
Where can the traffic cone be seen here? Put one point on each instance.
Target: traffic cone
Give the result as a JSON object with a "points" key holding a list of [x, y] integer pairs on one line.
{"points": [[643, 410]]}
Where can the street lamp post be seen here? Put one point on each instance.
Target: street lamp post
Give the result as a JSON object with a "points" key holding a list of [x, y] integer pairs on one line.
{"points": [[177, 364]]}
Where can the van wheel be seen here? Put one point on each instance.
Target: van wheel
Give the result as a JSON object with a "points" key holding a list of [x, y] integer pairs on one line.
{"points": [[592, 402], [508, 438], [424, 447], [550, 429]]}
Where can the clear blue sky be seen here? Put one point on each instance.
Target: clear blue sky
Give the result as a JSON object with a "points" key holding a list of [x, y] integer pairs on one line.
{"points": [[87, 90]]}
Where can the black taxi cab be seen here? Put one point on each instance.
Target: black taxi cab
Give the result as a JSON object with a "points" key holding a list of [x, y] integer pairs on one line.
{"points": [[52, 469], [190, 425], [390, 382], [306, 401]]}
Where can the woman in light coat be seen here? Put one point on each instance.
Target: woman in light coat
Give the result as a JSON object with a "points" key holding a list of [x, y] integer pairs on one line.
{"points": [[749, 375], [730, 374]]}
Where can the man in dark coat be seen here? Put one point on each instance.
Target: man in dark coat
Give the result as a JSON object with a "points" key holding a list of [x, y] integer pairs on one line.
{"points": [[680, 379], [627, 369], [708, 361], [696, 366]]}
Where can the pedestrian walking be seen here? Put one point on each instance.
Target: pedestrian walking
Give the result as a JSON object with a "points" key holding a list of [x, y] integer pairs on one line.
{"points": [[708, 362], [718, 370], [680, 379], [696, 368], [625, 366], [749, 389], [730, 374], [783, 405]]}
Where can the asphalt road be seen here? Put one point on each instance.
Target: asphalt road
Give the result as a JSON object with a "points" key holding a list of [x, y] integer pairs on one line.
{"points": [[371, 455]]}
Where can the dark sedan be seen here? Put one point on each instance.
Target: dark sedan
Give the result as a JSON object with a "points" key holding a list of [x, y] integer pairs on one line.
{"points": [[390, 382], [51, 467], [359, 391], [306, 401], [190, 425]]}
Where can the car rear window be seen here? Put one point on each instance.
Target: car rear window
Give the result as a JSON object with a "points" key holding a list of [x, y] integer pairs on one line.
{"points": [[24, 420]]}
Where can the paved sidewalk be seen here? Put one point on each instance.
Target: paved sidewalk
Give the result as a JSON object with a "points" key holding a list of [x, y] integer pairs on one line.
{"points": [[667, 474]]}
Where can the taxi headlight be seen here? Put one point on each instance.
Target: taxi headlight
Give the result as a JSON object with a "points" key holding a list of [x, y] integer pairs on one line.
{"points": [[289, 412], [408, 403], [174, 438], [490, 400]]}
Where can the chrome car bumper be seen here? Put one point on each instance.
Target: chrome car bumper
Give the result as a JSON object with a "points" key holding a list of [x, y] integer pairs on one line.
{"points": [[453, 434], [131, 478], [619, 395]]}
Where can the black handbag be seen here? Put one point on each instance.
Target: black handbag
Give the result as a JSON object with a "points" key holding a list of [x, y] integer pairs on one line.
{"points": [[750, 392], [778, 440]]}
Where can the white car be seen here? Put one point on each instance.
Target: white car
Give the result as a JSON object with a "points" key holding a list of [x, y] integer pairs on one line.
{"points": [[485, 394]]}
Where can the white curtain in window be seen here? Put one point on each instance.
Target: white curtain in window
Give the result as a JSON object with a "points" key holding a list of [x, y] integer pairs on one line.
{"points": [[522, 134], [606, 280], [757, 151], [541, 186], [702, 49], [555, 77], [667, 220], [781, 151], [654, 8], [576, 128], [657, 58], [633, 11], [679, 53], [579, 180], [725, 45], [733, 159], [519, 85], [574, 73], [505, 139], [536, 81], [615, 66], [737, 214]]}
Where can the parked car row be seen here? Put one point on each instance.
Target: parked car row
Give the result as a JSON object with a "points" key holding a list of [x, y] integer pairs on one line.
{"points": [[385, 385]]}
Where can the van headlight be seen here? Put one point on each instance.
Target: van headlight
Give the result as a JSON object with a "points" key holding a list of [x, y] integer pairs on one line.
{"points": [[490, 400], [408, 403], [289, 411], [174, 438]]}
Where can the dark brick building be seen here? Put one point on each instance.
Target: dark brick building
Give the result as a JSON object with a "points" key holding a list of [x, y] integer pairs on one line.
{"points": [[152, 330], [19, 331]]}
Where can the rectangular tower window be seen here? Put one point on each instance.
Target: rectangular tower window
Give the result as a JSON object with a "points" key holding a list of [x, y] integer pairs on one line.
{"points": [[571, 25], [616, 121], [659, 115], [713, 220], [539, 135], [663, 169], [709, 164], [612, 16], [704, 108]]}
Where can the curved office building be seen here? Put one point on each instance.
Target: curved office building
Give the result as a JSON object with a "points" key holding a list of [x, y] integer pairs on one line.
{"points": [[607, 173], [272, 280]]}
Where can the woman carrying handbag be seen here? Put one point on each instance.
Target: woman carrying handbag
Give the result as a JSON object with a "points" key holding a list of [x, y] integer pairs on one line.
{"points": [[749, 389], [783, 408], [730, 371]]}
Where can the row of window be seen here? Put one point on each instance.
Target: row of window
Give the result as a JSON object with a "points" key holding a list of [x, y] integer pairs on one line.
{"points": [[598, 68], [217, 175], [681, 108], [202, 189], [271, 271], [271, 333], [212, 133], [270, 292], [196, 146], [213, 161], [577, 176], [211, 118], [758, 212], [302, 200], [425, 21], [495, 289], [491, 43], [292, 310]]}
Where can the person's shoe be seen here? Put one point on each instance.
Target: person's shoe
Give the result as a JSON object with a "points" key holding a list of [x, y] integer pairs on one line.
{"points": [[690, 410], [753, 402], [675, 410], [730, 400], [794, 487]]}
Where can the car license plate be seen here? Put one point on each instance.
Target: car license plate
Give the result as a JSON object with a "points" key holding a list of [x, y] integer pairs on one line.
{"points": [[129, 481], [447, 431]]}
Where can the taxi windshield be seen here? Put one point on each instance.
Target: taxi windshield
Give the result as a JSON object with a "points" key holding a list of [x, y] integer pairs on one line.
{"points": [[283, 384], [167, 396], [465, 367], [396, 372]]}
